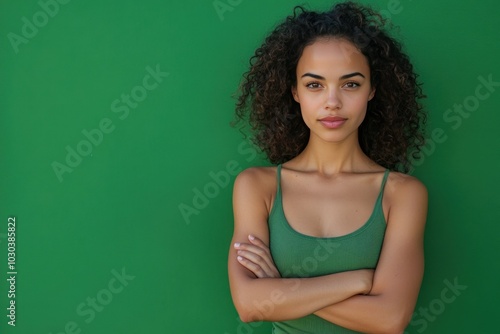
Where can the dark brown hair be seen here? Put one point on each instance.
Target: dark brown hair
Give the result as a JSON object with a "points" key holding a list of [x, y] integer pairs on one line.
{"points": [[393, 126]]}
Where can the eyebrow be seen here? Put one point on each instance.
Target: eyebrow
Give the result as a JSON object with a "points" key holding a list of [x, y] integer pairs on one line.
{"points": [[345, 76]]}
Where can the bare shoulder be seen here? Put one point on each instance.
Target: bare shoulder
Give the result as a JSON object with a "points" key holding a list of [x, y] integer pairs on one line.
{"points": [[253, 195], [256, 178], [256, 183], [406, 198], [401, 185]]}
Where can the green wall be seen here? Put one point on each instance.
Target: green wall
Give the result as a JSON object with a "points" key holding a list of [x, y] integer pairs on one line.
{"points": [[114, 117]]}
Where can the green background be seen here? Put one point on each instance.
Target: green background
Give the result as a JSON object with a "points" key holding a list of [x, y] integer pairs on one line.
{"points": [[118, 209]]}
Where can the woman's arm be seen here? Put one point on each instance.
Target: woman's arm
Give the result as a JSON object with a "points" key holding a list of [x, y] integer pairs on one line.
{"points": [[273, 298], [389, 305]]}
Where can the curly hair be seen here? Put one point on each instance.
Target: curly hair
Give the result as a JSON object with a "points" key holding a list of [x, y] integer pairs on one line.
{"points": [[392, 131]]}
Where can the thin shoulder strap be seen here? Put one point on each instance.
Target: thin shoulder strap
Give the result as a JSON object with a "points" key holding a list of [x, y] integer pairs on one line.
{"points": [[278, 180], [384, 180]]}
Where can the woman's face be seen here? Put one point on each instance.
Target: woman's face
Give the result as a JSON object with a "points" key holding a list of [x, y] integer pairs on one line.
{"points": [[333, 89]]}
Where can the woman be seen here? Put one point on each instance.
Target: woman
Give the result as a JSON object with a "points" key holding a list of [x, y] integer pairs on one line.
{"points": [[330, 240]]}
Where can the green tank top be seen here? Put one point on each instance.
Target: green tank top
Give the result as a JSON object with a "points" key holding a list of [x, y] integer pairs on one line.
{"points": [[297, 255]]}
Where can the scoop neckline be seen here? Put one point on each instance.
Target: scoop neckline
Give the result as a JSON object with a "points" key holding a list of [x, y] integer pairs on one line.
{"points": [[377, 208]]}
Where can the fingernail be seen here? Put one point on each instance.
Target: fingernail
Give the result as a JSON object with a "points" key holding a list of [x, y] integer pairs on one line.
{"points": [[251, 237], [236, 244], [239, 258]]}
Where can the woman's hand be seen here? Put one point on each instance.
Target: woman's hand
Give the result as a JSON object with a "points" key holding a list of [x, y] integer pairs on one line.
{"points": [[256, 257]]}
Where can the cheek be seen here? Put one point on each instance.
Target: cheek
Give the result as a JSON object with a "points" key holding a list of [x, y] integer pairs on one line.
{"points": [[309, 109], [308, 114], [310, 102], [360, 104], [361, 111]]}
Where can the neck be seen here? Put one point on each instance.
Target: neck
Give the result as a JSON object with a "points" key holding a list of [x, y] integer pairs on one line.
{"points": [[329, 158]]}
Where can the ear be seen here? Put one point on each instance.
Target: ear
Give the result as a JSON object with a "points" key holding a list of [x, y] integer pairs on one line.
{"points": [[372, 94], [295, 95]]}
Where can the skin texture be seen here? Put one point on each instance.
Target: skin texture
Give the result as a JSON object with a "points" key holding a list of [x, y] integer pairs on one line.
{"points": [[322, 91], [329, 190], [392, 133]]}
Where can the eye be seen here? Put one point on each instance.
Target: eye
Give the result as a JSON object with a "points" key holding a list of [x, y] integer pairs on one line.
{"points": [[313, 85], [351, 84]]}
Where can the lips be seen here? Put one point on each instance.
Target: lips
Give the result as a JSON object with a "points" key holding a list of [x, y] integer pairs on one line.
{"points": [[332, 122], [332, 119]]}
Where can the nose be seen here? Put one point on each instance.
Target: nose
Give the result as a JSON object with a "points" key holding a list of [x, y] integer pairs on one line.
{"points": [[333, 99]]}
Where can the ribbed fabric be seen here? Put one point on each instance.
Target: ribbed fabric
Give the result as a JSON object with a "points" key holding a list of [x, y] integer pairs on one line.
{"points": [[299, 255]]}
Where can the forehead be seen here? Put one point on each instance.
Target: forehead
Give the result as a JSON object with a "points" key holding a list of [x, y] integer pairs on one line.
{"points": [[334, 56]]}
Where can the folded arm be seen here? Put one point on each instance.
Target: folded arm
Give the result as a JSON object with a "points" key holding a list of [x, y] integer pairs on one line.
{"points": [[257, 290], [389, 305]]}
